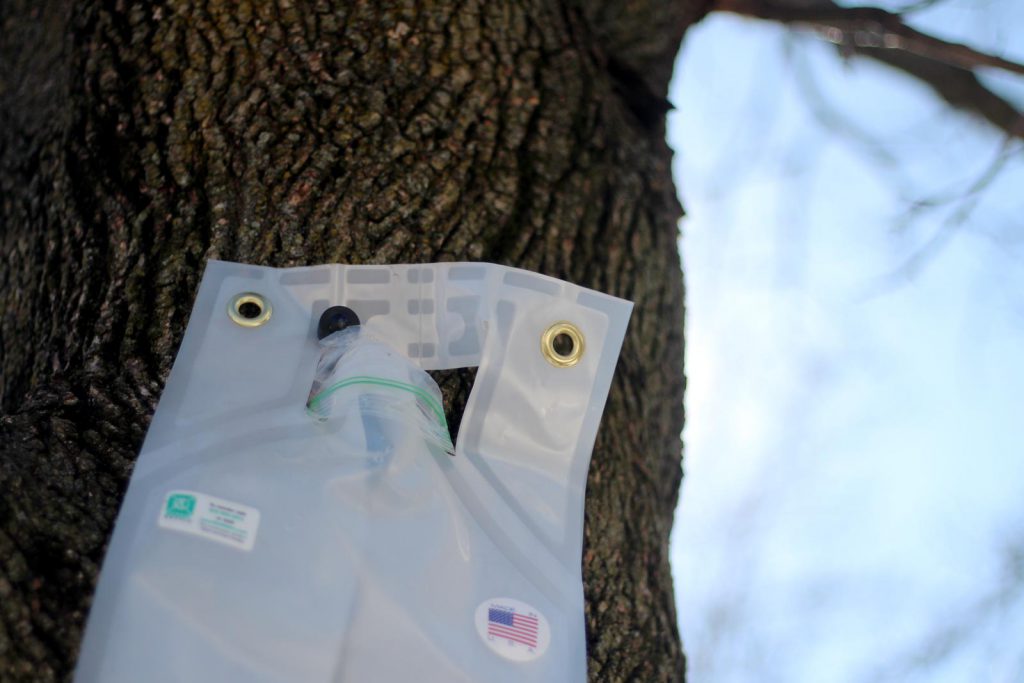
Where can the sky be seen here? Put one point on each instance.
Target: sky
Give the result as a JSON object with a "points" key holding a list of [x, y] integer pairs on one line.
{"points": [[851, 508]]}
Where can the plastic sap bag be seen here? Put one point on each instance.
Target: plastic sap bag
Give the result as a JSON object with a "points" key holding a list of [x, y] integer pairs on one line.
{"points": [[298, 512]]}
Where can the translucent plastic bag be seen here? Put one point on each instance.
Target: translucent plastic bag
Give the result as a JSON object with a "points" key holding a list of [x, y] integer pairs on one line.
{"points": [[298, 512]]}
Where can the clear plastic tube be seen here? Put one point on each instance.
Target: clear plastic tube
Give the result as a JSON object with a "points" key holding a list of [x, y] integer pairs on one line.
{"points": [[358, 372]]}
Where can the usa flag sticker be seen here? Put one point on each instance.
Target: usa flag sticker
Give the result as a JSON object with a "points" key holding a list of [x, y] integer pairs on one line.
{"points": [[513, 629]]}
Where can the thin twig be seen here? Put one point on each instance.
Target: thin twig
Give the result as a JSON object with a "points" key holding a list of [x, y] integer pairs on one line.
{"points": [[967, 203], [833, 120], [918, 6]]}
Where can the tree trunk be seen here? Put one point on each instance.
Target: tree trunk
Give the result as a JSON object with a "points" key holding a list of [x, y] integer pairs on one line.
{"points": [[137, 140]]}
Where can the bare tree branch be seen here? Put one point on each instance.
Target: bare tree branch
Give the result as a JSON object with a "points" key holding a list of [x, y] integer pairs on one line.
{"points": [[869, 27], [946, 67], [918, 6], [960, 88]]}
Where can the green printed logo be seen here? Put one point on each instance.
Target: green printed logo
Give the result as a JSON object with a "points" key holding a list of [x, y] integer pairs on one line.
{"points": [[180, 506]]}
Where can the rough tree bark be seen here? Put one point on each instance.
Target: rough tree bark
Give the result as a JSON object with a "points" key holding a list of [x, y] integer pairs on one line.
{"points": [[139, 139]]}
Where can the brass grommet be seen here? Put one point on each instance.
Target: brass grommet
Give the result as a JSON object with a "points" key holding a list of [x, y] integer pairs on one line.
{"points": [[562, 344], [249, 309]]}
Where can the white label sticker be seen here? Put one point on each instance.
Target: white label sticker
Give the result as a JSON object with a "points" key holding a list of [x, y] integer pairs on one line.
{"points": [[513, 629], [212, 518]]}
